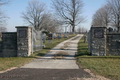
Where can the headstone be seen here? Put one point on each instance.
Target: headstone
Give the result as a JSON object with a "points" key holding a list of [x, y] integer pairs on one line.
{"points": [[54, 35], [65, 35], [50, 37], [110, 29], [59, 35], [44, 37]]}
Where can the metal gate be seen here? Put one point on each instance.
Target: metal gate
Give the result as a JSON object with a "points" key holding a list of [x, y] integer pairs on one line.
{"points": [[36, 40]]}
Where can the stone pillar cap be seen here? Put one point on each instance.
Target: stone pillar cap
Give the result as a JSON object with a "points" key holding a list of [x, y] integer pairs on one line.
{"points": [[23, 27]]}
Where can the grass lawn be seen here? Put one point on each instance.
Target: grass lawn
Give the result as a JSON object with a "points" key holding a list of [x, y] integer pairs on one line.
{"points": [[6, 63], [108, 66]]}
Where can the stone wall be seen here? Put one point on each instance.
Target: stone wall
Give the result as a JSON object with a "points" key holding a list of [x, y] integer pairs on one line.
{"points": [[28, 41], [89, 41], [21, 43], [102, 42], [97, 41], [113, 44], [0, 48], [0, 36], [9, 44]]}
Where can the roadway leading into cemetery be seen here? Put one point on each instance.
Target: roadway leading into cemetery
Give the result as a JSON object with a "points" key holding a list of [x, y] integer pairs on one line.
{"points": [[48, 61], [48, 68]]}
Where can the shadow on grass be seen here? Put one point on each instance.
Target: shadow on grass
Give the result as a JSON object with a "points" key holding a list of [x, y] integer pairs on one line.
{"points": [[83, 51], [46, 48], [86, 53], [40, 54], [99, 57], [36, 55], [83, 48]]}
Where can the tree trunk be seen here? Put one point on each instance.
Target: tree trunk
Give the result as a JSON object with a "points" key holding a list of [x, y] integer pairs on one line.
{"points": [[73, 23], [118, 24], [118, 29], [73, 29]]}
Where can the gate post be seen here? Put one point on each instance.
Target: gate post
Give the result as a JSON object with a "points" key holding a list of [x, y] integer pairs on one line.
{"points": [[98, 41], [24, 41]]}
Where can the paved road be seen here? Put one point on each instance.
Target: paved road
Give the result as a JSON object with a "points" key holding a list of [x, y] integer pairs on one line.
{"points": [[47, 68], [44, 74]]}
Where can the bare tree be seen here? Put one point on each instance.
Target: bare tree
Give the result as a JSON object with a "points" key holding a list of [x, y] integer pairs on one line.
{"points": [[34, 14], [59, 29], [3, 2], [46, 21], [3, 17], [81, 29], [3, 29], [115, 12], [51, 23], [97, 18], [70, 28], [102, 17], [70, 11], [58, 25]]}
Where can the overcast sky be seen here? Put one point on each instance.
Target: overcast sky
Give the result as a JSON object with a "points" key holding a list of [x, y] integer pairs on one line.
{"points": [[16, 7]]}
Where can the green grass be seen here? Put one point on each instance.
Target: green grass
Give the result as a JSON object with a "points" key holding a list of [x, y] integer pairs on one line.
{"points": [[6, 63], [83, 48], [108, 66]]}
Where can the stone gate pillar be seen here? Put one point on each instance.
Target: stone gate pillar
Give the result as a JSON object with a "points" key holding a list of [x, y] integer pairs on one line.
{"points": [[24, 41], [98, 41]]}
